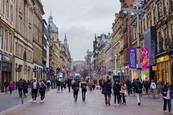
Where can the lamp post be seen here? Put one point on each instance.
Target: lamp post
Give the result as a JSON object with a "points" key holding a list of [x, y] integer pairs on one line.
{"points": [[137, 12]]}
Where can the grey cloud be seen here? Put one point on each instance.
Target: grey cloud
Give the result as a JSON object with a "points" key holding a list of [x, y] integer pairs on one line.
{"points": [[81, 19]]}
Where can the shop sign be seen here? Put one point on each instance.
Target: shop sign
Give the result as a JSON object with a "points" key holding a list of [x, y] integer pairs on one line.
{"points": [[132, 57], [144, 58], [163, 59], [154, 68]]}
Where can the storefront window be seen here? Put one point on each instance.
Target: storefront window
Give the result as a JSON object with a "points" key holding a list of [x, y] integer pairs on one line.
{"points": [[163, 73]]}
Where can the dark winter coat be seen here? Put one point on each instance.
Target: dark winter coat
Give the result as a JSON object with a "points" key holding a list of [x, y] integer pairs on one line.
{"points": [[75, 86], [138, 86], [107, 87], [117, 88], [21, 84], [129, 84]]}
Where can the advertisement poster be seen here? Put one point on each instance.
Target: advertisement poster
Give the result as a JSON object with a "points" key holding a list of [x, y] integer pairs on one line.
{"points": [[144, 58], [132, 57]]}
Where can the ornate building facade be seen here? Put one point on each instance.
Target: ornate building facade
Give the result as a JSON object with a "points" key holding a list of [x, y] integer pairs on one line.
{"points": [[7, 25]]}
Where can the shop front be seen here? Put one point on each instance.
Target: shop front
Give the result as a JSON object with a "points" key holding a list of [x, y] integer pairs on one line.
{"points": [[6, 69], [22, 70], [38, 72], [163, 68], [134, 74]]}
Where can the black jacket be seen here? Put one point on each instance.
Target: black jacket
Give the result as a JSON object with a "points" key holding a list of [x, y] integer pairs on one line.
{"points": [[116, 88], [107, 87], [75, 86], [21, 84], [138, 86]]}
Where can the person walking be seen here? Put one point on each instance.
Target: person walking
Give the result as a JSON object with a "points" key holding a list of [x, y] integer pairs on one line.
{"points": [[106, 90], [6, 87], [42, 90], [84, 89], [34, 88], [25, 88], [123, 90], [75, 87], [20, 87], [146, 86], [69, 84], [153, 88], [138, 90], [48, 83], [11, 86], [129, 86], [117, 89], [166, 93]]}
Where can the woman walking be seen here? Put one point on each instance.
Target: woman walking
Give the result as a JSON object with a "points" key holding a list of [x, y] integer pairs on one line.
{"points": [[106, 90], [123, 90], [11, 86], [84, 89], [34, 89], [166, 93], [42, 91]]}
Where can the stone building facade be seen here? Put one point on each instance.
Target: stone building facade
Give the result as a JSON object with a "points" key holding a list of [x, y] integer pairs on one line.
{"points": [[59, 55], [37, 39], [7, 25], [28, 31], [102, 55], [158, 21]]}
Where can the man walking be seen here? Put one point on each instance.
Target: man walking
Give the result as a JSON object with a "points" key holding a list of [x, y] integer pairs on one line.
{"points": [[75, 87], [69, 84], [138, 90], [84, 89], [117, 88], [129, 86], [20, 87]]}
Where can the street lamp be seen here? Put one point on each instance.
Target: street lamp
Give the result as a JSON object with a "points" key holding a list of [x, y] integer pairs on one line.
{"points": [[137, 12]]}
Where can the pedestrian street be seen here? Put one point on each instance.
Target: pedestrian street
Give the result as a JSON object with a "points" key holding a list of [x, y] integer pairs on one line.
{"points": [[63, 104]]}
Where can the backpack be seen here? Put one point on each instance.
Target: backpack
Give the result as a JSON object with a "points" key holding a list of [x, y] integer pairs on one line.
{"points": [[42, 87]]}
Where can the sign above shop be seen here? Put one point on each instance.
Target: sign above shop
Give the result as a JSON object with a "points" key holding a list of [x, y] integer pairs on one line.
{"points": [[154, 68], [163, 59]]}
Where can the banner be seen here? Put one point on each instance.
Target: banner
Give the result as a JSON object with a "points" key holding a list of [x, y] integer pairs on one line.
{"points": [[104, 70], [132, 57], [99, 71], [150, 37], [144, 58]]}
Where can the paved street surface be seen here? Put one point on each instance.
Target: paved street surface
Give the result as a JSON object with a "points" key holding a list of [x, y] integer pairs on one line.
{"points": [[63, 104], [10, 100]]}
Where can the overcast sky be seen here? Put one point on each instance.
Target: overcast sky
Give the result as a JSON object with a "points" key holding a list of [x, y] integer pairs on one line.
{"points": [[80, 20]]}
